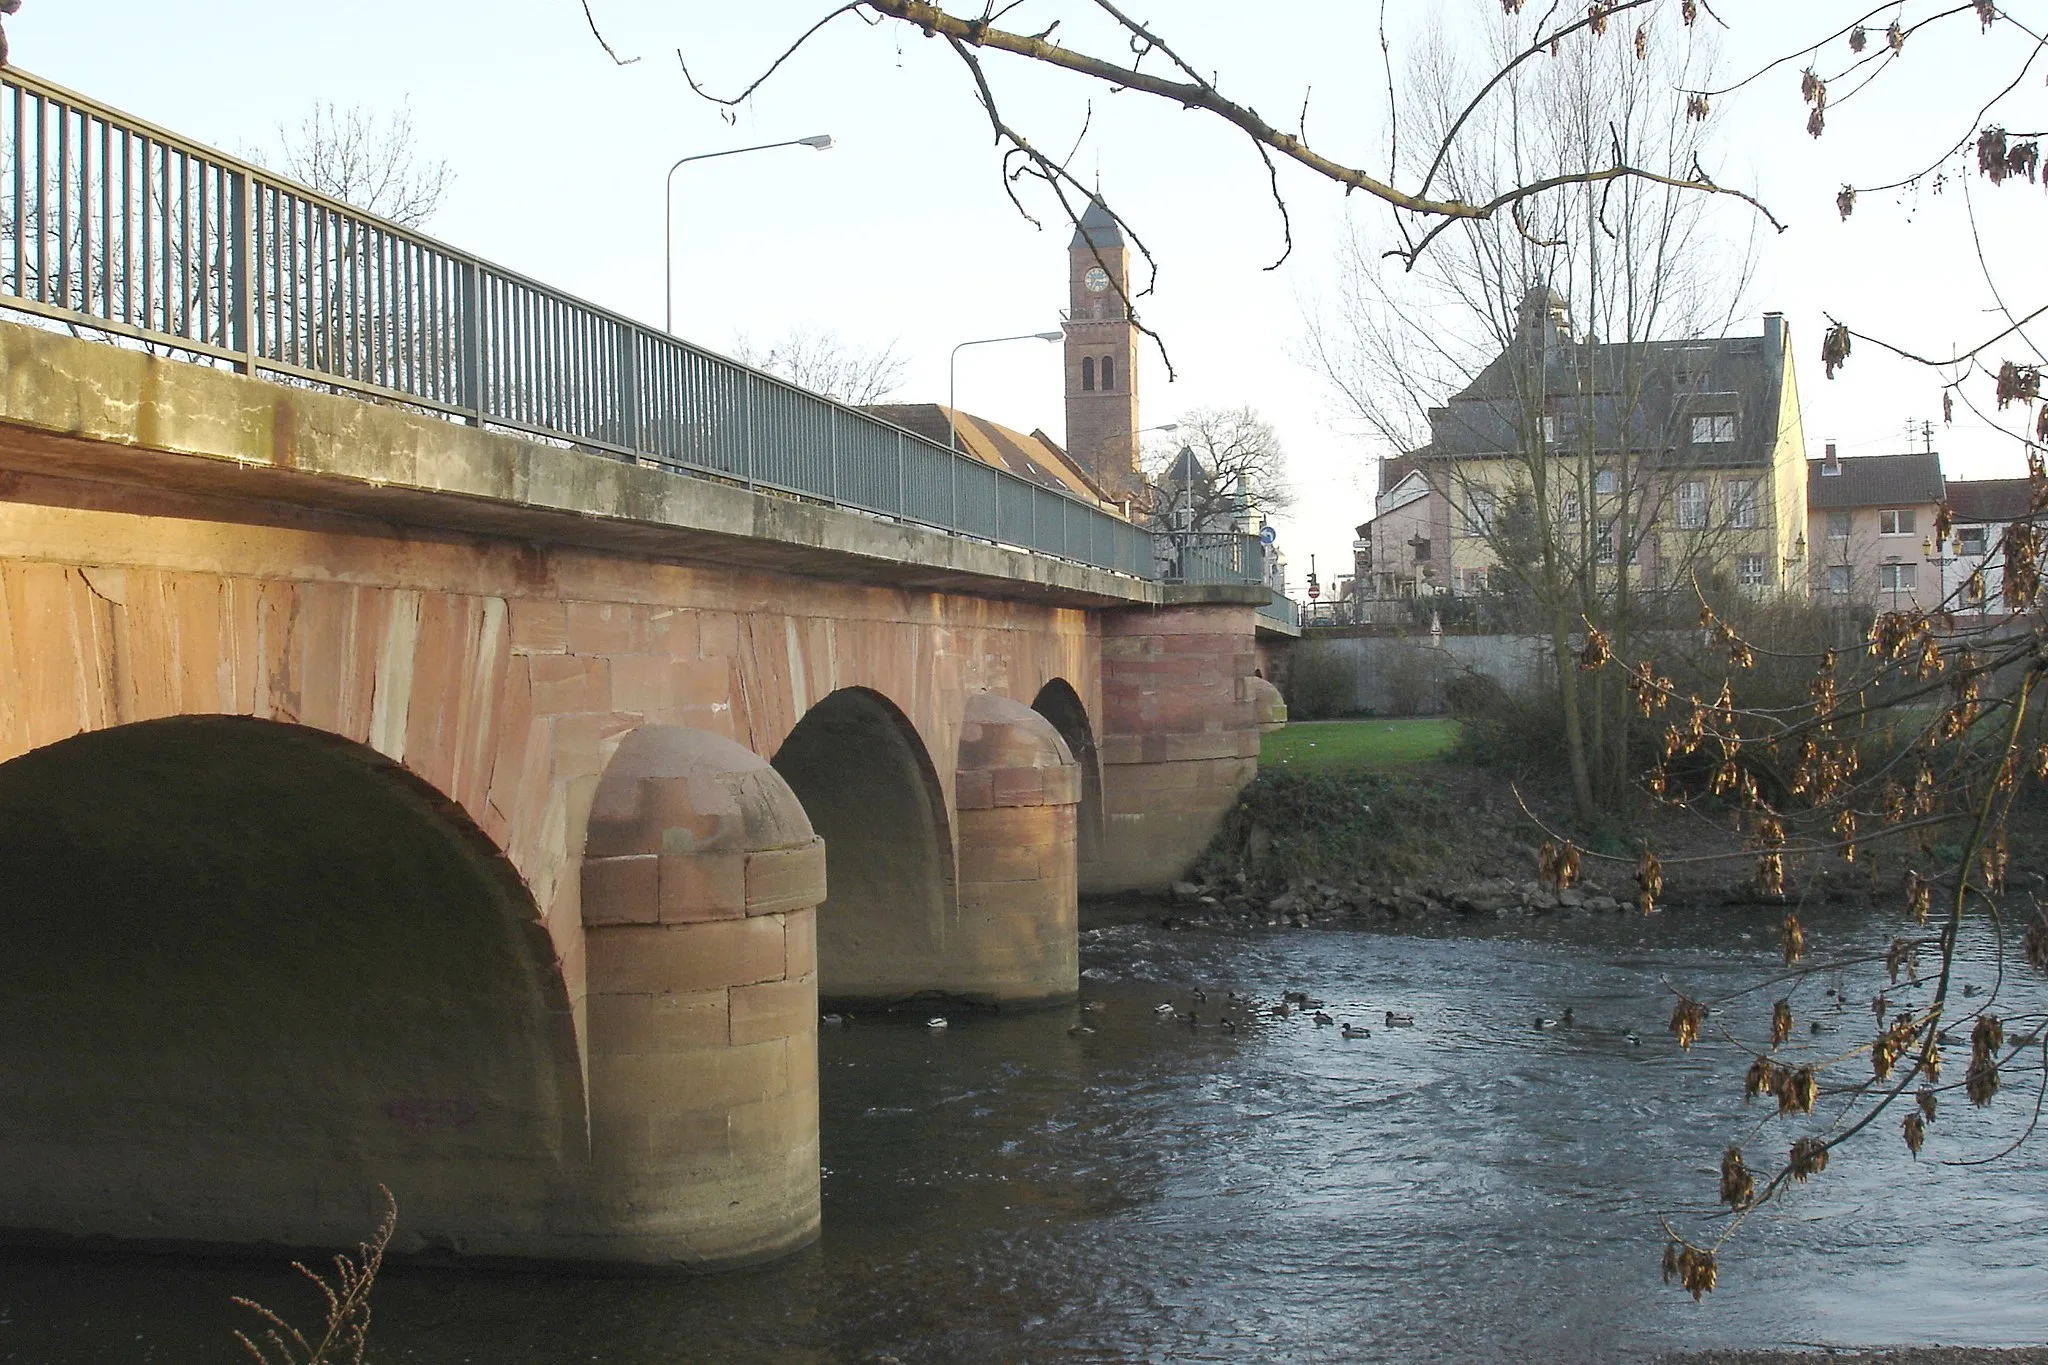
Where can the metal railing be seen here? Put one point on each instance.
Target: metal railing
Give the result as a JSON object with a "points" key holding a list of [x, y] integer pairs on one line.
{"points": [[112, 224], [1209, 557]]}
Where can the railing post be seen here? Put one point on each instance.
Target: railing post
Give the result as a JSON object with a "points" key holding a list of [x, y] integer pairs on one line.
{"points": [[751, 385], [902, 492], [631, 434], [241, 297], [470, 346]]}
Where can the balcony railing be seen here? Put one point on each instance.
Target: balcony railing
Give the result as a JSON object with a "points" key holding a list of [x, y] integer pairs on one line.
{"points": [[113, 225]]}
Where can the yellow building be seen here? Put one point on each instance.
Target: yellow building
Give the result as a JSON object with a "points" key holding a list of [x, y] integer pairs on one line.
{"points": [[1654, 463]]}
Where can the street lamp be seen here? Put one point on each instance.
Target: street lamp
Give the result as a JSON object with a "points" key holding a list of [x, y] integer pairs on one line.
{"points": [[952, 370], [821, 141]]}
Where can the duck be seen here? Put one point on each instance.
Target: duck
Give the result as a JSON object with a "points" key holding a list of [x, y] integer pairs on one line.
{"points": [[832, 1020], [1354, 1031], [936, 1021], [1281, 1010], [1400, 1020], [1091, 1006], [1323, 1020], [1969, 989], [1818, 1027], [1543, 1023], [1566, 1018], [1294, 997], [1632, 1039], [1229, 1024], [1080, 1031], [1200, 995], [1163, 1010]]}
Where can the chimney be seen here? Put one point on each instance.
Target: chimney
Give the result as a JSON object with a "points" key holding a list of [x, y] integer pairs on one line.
{"points": [[1774, 333], [1832, 464]]}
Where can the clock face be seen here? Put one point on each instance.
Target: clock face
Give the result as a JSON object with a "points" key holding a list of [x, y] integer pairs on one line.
{"points": [[1097, 279]]}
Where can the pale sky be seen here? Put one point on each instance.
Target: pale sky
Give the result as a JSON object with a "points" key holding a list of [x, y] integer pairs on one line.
{"points": [[903, 232]]}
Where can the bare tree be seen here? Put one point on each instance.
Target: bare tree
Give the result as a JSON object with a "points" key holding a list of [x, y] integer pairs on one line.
{"points": [[368, 159], [824, 362], [1221, 469], [1549, 330]]}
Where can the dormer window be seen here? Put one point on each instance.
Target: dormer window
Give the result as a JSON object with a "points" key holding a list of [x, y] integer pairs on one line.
{"points": [[1087, 374], [1713, 429]]}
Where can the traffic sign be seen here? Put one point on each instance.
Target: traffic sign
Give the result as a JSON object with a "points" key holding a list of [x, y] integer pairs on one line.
{"points": [[1267, 535]]}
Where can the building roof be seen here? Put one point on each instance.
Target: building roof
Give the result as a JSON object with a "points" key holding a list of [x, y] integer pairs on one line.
{"points": [[1990, 500], [1875, 481], [1186, 471], [1637, 396], [1036, 457], [1096, 228]]}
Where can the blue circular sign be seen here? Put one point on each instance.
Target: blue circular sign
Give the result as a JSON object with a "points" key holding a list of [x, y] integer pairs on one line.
{"points": [[1267, 535]]}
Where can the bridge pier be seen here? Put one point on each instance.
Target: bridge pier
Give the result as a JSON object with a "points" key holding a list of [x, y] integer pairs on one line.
{"points": [[1180, 736], [1017, 788], [700, 878]]}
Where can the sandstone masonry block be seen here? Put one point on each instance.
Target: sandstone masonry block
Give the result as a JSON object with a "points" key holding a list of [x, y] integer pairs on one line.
{"points": [[621, 890]]}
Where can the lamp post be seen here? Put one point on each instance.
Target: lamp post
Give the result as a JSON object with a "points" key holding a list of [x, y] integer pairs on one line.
{"points": [[821, 141], [952, 374]]}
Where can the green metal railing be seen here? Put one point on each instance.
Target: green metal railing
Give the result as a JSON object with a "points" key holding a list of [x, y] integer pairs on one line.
{"points": [[114, 225]]}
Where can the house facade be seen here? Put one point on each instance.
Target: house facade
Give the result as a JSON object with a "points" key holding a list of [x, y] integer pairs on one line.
{"points": [[1652, 462], [1980, 510], [1871, 529]]}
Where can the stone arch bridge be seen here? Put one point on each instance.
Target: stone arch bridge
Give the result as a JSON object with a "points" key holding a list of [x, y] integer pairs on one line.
{"points": [[383, 799]]}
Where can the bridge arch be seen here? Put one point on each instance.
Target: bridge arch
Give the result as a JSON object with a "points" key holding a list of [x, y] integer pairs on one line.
{"points": [[871, 790], [251, 970], [1060, 703]]}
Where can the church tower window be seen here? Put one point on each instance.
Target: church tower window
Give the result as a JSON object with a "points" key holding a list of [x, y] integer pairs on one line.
{"points": [[1087, 374], [1109, 372]]}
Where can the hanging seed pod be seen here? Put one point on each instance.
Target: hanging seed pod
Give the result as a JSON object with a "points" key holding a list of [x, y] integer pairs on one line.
{"points": [[1919, 895], [1781, 1022], [1915, 1130], [1895, 38], [1738, 1186], [1793, 934], [1642, 43], [1859, 38], [1809, 1157], [1770, 883], [1697, 1272], [1568, 866], [1878, 1005], [1987, 12], [1797, 1091], [1671, 1252], [1845, 829], [1834, 345], [1546, 864], [1928, 1102], [2036, 943], [1596, 18], [1761, 1080], [1895, 958], [1697, 107], [1650, 881], [1930, 1063], [1981, 1081], [1686, 1020], [1598, 650]]}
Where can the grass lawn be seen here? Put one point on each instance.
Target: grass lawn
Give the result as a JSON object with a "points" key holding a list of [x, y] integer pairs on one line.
{"points": [[1339, 746]]}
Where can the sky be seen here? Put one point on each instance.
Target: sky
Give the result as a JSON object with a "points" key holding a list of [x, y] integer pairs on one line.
{"points": [[903, 233]]}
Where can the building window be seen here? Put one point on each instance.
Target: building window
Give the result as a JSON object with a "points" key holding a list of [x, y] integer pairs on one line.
{"points": [[1838, 525], [1970, 540], [1895, 578], [1899, 521], [1603, 481], [1475, 580], [1479, 511], [1749, 571], [1087, 374], [1421, 544], [1838, 579], [1108, 372], [1692, 507], [1549, 429], [1718, 429], [1742, 503], [1603, 547], [1571, 507]]}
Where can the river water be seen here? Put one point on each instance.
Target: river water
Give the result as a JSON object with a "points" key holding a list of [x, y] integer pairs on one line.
{"points": [[1467, 1189]]}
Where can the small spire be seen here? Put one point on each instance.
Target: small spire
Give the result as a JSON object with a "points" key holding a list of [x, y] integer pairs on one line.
{"points": [[1097, 227]]}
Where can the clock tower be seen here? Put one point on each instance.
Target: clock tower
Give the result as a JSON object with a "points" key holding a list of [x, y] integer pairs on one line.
{"points": [[1102, 356]]}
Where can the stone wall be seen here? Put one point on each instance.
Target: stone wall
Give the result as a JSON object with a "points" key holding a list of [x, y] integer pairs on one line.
{"points": [[1407, 675]]}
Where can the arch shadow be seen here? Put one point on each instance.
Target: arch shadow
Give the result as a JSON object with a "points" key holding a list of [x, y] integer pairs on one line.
{"points": [[1059, 703], [863, 776], [252, 970]]}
